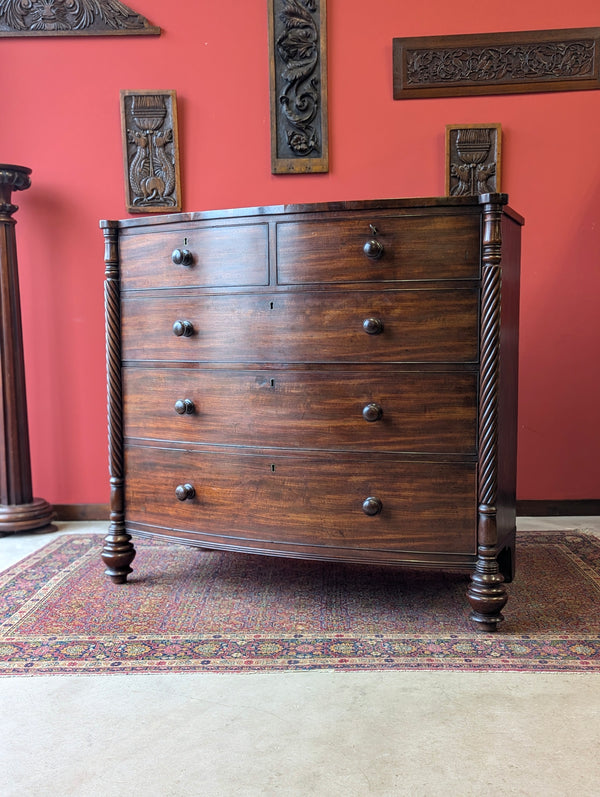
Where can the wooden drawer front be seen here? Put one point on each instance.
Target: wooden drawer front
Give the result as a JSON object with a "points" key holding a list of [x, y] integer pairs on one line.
{"points": [[418, 326], [425, 506], [414, 248], [421, 412], [221, 256]]}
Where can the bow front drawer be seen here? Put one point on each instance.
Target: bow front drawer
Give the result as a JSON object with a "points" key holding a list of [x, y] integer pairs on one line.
{"points": [[302, 502], [428, 412], [345, 327]]}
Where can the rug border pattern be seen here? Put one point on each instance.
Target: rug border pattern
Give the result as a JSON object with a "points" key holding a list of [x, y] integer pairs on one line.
{"points": [[228, 652]]}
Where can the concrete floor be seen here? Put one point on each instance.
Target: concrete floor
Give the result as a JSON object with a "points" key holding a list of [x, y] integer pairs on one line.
{"points": [[325, 734]]}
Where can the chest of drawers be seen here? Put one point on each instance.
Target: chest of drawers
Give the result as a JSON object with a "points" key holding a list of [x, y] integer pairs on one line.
{"points": [[334, 381]]}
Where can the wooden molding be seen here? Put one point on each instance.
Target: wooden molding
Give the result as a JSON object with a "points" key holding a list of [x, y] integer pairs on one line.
{"points": [[298, 79], [77, 18], [496, 63], [75, 512], [549, 508]]}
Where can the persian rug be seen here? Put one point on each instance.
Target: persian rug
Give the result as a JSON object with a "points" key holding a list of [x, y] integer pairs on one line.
{"points": [[189, 610]]}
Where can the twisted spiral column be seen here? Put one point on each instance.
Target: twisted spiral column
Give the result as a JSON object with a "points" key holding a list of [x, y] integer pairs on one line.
{"points": [[118, 551], [487, 593]]}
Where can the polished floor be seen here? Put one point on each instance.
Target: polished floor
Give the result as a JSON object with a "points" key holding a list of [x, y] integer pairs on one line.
{"points": [[321, 734]]}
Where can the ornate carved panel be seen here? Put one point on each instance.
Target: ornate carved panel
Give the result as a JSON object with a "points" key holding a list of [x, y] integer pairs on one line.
{"points": [[473, 159], [298, 71], [496, 63], [71, 18], [150, 151]]}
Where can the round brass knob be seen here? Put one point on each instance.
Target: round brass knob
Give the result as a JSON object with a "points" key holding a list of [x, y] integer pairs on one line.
{"points": [[373, 412], [185, 407], [184, 492], [372, 506], [373, 249], [373, 326], [183, 329], [182, 257]]}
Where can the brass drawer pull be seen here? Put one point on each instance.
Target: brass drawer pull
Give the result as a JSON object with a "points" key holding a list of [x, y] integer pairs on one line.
{"points": [[182, 257], [373, 412], [185, 407], [184, 492], [373, 326], [183, 329], [372, 506]]}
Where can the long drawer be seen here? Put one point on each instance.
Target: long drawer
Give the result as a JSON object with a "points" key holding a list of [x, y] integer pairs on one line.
{"points": [[430, 412], [204, 255], [438, 325], [302, 501], [406, 248]]}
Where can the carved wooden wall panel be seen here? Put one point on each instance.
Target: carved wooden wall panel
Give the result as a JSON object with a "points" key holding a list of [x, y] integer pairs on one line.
{"points": [[496, 63], [71, 18], [473, 159], [298, 72], [150, 151]]}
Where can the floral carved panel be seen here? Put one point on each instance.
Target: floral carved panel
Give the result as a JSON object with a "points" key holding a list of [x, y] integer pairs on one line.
{"points": [[71, 18], [496, 63], [473, 159], [298, 78], [150, 151]]}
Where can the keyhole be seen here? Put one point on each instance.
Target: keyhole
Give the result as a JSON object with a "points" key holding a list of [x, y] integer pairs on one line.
{"points": [[272, 468], [185, 241], [272, 383], [271, 305]]}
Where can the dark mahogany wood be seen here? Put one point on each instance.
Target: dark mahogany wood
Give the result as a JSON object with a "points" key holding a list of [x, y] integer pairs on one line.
{"points": [[19, 510], [218, 256], [118, 552], [304, 503], [430, 325], [334, 381], [378, 247], [421, 411]]}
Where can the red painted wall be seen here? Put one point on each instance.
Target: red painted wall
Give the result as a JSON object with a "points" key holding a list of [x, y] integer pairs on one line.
{"points": [[60, 116]]}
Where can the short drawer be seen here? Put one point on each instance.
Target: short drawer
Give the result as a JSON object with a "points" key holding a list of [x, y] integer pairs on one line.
{"points": [[202, 256], [298, 503], [345, 327], [429, 412], [378, 248]]}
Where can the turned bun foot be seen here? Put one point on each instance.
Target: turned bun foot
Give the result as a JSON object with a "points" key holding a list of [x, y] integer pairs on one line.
{"points": [[487, 596], [118, 554]]}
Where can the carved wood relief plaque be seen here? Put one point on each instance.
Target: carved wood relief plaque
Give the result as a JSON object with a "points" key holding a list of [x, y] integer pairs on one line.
{"points": [[150, 151], [298, 77], [71, 18], [496, 63], [473, 159]]}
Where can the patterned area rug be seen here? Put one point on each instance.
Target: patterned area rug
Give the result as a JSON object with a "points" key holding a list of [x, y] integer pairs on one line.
{"points": [[187, 610]]}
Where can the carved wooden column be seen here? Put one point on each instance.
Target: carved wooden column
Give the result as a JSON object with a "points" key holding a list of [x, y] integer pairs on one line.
{"points": [[19, 510], [118, 552], [487, 593]]}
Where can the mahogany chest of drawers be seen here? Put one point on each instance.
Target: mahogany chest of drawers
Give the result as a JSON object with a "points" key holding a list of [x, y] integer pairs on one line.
{"points": [[334, 381]]}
